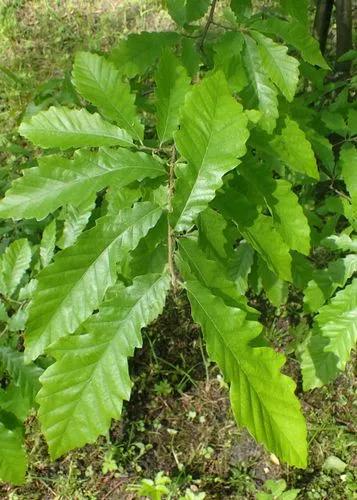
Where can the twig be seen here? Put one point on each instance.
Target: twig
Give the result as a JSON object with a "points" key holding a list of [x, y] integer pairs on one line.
{"points": [[343, 195], [208, 24]]}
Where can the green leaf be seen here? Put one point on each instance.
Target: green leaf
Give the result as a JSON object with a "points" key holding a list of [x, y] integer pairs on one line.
{"points": [[60, 127], [327, 350], [262, 398], [13, 461], [296, 34], [26, 292], [340, 242], [350, 55], [48, 243], [136, 54], [276, 289], [322, 148], [298, 10], [283, 204], [87, 270], [242, 8], [58, 181], [3, 313], [348, 162], [241, 266], [14, 262], [150, 256], [186, 11], [18, 320], [125, 197], [13, 401], [212, 135], [294, 149], [352, 120], [264, 238], [90, 378], [24, 376], [258, 230], [261, 93], [228, 58], [75, 221], [190, 57], [281, 68], [100, 83], [172, 84], [335, 122], [326, 281], [216, 236], [285, 207], [210, 273]]}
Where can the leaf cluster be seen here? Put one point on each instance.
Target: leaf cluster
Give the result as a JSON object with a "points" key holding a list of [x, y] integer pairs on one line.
{"points": [[213, 161]]}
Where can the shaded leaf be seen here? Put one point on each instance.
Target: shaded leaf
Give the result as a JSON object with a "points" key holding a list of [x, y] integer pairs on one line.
{"points": [[75, 221], [326, 281], [276, 289], [295, 150], [25, 376], [228, 58], [258, 230], [212, 274], [241, 265], [297, 10], [282, 202], [139, 51], [13, 401], [241, 7], [13, 461], [348, 162], [186, 11], [216, 236]]}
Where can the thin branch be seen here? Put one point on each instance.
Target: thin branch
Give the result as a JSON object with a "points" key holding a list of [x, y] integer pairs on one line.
{"points": [[340, 193], [208, 24]]}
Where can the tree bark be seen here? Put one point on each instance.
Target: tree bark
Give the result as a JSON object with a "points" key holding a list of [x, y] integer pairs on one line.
{"points": [[344, 32], [322, 21]]}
